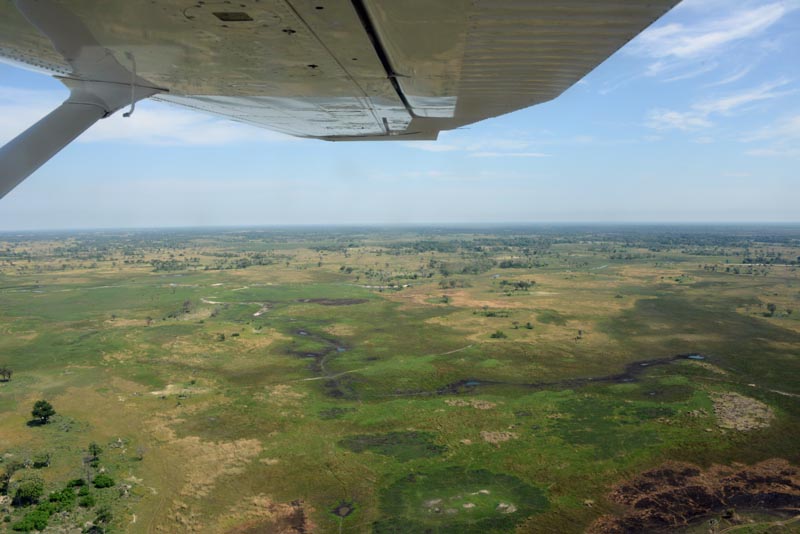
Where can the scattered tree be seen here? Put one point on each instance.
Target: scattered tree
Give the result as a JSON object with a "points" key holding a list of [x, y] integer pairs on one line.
{"points": [[41, 460], [43, 411], [94, 450], [5, 374], [104, 515], [498, 334], [28, 491], [11, 467]]}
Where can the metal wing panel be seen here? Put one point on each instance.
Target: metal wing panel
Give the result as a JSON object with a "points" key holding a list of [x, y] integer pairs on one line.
{"points": [[349, 69], [482, 58]]}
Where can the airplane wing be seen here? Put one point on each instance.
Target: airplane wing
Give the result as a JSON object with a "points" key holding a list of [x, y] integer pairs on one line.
{"points": [[326, 69]]}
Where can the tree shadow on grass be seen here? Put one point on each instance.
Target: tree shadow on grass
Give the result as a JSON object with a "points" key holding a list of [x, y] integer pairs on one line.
{"points": [[36, 422]]}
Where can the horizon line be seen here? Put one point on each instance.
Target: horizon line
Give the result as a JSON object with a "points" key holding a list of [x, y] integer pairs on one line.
{"points": [[404, 225]]}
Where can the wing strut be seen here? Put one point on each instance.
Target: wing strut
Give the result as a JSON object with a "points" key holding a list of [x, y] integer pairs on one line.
{"points": [[99, 85], [30, 149], [88, 102]]}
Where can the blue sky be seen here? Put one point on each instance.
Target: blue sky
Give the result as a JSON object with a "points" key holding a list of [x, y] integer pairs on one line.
{"points": [[696, 120]]}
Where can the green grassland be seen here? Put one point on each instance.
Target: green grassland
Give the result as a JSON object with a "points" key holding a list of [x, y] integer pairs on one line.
{"points": [[355, 374]]}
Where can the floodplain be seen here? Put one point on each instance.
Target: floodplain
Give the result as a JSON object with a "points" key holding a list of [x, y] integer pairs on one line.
{"points": [[443, 380]]}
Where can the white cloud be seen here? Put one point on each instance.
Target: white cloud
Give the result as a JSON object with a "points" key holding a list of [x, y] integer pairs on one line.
{"points": [[729, 103], [161, 124], [784, 128], [734, 77], [509, 155], [774, 152], [152, 123], [431, 146], [702, 69], [702, 42], [489, 148], [704, 140], [699, 116], [665, 119], [677, 40], [782, 136]]}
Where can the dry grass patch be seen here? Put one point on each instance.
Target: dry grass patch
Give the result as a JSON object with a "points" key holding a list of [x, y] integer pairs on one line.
{"points": [[474, 403], [260, 340], [284, 395], [708, 366], [339, 330], [737, 412], [495, 438], [261, 514], [210, 460]]}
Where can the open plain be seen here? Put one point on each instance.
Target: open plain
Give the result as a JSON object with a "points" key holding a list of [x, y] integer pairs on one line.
{"points": [[532, 379]]}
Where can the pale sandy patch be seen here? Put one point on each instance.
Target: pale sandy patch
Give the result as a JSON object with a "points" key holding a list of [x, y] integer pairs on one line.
{"points": [[737, 412], [497, 437], [474, 403]]}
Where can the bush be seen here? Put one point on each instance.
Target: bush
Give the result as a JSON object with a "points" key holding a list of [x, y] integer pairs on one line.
{"points": [[83, 491], [29, 490], [64, 499], [498, 334], [104, 515], [103, 481], [34, 520], [87, 501], [76, 483]]}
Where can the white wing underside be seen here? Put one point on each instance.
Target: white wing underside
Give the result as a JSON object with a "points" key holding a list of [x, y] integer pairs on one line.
{"points": [[347, 69]]}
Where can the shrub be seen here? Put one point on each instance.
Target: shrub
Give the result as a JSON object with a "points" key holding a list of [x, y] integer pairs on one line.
{"points": [[29, 490], [103, 481], [87, 501], [33, 520], [64, 499]]}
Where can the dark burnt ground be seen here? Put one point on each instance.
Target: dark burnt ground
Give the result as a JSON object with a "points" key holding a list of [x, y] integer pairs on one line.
{"points": [[403, 446], [344, 509], [334, 302], [675, 494], [335, 386]]}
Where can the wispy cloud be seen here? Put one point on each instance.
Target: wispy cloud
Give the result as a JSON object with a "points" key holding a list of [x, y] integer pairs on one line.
{"points": [[432, 146], [734, 77], [700, 114], [677, 40], [665, 119], [684, 50], [787, 128], [152, 123], [509, 155], [774, 152], [729, 103], [782, 138], [489, 148]]}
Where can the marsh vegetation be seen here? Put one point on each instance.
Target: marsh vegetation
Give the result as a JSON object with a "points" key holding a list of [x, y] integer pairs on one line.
{"points": [[397, 380]]}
